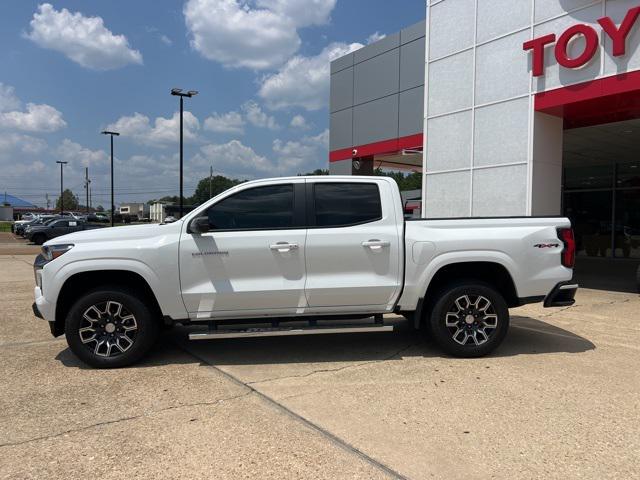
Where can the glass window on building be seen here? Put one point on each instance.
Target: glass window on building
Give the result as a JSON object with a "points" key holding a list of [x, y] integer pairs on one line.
{"points": [[601, 196]]}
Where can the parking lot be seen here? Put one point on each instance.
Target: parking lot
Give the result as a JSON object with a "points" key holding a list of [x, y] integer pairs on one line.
{"points": [[559, 399]]}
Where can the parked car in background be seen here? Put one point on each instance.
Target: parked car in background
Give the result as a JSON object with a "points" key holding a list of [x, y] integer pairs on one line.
{"points": [[170, 219], [20, 228], [62, 226], [26, 218], [97, 218]]}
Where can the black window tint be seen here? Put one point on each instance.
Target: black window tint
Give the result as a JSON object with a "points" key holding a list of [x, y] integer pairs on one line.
{"points": [[61, 223], [339, 204], [260, 207]]}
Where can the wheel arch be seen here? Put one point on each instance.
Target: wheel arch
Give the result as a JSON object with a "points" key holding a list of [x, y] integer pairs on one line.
{"points": [[492, 273], [82, 282]]}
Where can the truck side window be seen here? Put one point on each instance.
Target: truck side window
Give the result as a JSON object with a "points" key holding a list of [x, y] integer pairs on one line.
{"points": [[343, 204], [256, 208]]}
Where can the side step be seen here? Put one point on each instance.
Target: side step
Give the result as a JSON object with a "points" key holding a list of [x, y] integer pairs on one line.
{"points": [[285, 331]]}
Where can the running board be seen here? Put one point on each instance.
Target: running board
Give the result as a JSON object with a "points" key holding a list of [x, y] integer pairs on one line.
{"points": [[286, 331]]}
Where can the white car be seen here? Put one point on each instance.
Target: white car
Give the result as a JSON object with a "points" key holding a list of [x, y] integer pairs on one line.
{"points": [[170, 219], [302, 248]]}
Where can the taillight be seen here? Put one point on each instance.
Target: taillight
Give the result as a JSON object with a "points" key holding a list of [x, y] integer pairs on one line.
{"points": [[569, 250]]}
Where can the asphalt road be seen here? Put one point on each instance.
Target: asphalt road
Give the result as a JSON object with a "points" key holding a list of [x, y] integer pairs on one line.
{"points": [[559, 399]]}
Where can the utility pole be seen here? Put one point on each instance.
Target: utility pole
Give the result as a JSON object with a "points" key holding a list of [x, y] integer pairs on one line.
{"points": [[210, 180], [86, 186], [178, 93], [113, 206], [61, 187], [46, 196]]}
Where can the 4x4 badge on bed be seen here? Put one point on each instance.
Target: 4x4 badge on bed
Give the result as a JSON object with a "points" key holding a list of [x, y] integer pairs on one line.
{"points": [[546, 245]]}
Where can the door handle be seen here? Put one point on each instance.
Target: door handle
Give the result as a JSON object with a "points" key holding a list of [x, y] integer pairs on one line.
{"points": [[283, 247], [376, 244]]}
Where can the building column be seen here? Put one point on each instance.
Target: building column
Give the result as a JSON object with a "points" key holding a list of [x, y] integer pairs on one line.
{"points": [[546, 165]]}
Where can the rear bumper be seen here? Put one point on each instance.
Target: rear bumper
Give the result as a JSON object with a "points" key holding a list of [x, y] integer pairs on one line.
{"points": [[562, 295]]}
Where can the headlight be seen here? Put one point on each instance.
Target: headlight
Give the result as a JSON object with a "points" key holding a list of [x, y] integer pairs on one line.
{"points": [[51, 252]]}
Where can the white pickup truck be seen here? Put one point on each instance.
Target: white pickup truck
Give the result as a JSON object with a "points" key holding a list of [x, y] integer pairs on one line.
{"points": [[311, 249]]}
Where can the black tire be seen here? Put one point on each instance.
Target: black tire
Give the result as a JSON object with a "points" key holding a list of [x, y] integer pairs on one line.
{"points": [[39, 239], [111, 328], [638, 279], [473, 331]]}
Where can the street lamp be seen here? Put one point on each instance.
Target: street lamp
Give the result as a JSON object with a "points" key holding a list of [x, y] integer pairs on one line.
{"points": [[106, 132], [61, 187], [179, 93]]}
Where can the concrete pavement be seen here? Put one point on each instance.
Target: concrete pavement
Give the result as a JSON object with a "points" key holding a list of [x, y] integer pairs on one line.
{"points": [[559, 399]]}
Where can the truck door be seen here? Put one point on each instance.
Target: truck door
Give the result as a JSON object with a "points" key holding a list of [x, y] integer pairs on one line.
{"points": [[353, 253], [252, 259]]}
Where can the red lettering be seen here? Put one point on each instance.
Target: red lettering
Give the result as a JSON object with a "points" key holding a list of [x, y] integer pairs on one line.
{"points": [[537, 46], [619, 35], [591, 46]]}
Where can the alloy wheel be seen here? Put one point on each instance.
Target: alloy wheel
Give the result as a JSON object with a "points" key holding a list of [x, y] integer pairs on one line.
{"points": [[471, 320], [108, 329]]}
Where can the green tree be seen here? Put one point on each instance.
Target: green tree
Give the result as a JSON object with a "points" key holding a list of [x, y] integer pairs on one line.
{"points": [[317, 171], [410, 181], [219, 184], [70, 201]]}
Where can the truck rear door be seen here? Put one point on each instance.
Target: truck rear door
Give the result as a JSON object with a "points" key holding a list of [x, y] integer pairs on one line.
{"points": [[353, 248]]}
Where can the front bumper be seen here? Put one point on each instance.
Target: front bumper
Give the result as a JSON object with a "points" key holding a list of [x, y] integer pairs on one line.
{"points": [[562, 295]]}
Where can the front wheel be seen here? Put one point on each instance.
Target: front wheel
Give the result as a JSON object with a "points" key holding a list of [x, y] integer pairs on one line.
{"points": [[110, 328], [470, 319]]}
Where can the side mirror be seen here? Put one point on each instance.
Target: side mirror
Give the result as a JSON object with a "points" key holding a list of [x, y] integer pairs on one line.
{"points": [[199, 225]]}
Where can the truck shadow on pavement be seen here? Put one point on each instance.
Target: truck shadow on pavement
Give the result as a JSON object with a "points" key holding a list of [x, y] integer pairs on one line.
{"points": [[527, 336]]}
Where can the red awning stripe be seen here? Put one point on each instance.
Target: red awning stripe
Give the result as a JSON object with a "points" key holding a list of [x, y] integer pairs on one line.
{"points": [[377, 148]]}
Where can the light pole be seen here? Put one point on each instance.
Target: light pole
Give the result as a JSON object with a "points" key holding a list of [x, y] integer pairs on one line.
{"points": [[179, 93], [86, 186], [113, 207], [61, 187]]}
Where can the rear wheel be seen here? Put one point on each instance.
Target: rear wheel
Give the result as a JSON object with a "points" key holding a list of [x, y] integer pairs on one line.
{"points": [[110, 328], [469, 319]]}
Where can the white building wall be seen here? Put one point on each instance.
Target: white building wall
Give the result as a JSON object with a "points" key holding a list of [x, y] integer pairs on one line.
{"points": [[486, 151]]}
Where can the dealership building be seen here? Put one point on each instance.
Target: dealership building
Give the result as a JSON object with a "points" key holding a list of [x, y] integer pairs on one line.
{"points": [[507, 108]]}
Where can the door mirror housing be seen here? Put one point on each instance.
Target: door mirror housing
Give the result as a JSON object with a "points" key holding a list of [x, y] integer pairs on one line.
{"points": [[199, 225]]}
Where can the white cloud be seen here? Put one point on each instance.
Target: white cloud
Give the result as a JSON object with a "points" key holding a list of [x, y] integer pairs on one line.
{"points": [[374, 37], [162, 131], [239, 36], [8, 99], [302, 13], [166, 40], [260, 35], [299, 122], [37, 118], [303, 81], [85, 40], [230, 122], [306, 154], [234, 159], [15, 142], [76, 154], [256, 117]]}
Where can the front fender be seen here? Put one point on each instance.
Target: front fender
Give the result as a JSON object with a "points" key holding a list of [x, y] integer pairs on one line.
{"points": [[54, 276]]}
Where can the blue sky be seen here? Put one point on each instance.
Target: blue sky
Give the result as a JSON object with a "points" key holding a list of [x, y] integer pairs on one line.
{"points": [[73, 68]]}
